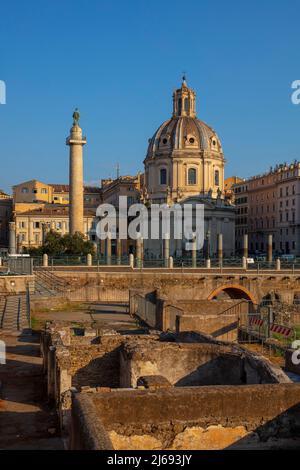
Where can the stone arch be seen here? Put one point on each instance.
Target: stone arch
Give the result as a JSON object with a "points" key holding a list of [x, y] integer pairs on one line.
{"points": [[235, 291], [271, 297]]}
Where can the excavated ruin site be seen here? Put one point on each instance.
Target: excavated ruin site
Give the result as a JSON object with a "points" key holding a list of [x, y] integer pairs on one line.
{"points": [[184, 390]]}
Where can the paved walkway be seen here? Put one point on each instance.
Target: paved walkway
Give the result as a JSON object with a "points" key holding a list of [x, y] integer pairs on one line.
{"points": [[104, 314], [26, 422]]}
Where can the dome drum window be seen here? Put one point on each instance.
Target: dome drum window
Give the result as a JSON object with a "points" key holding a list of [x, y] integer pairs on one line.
{"points": [[163, 176], [192, 176], [217, 178]]}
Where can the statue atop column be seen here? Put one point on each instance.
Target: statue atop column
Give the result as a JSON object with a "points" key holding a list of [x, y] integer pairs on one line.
{"points": [[76, 117]]}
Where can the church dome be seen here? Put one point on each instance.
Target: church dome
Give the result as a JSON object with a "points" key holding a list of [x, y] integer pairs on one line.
{"points": [[184, 131], [185, 157]]}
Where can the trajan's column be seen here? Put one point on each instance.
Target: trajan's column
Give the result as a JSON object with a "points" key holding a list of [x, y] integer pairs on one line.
{"points": [[76, 143]]}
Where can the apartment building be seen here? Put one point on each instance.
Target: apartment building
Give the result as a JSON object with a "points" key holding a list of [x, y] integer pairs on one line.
{"points": [[39, 207], [270, 204]]}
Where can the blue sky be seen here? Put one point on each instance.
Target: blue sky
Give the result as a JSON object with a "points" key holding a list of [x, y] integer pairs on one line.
{"points": [[119, 61]]}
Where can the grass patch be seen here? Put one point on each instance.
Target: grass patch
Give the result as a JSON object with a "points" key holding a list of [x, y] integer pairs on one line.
{"points": [[36, 324]]}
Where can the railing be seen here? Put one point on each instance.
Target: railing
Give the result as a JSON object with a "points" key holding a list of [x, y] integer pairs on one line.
{"points": [[259, 328], [237, 308], [28, 311], [19, 313], [51, 281], [178, 262], [4, 302], [145, 310]]}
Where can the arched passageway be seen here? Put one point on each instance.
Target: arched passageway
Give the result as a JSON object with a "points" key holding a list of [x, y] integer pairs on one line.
{"points": [[233, 291]]}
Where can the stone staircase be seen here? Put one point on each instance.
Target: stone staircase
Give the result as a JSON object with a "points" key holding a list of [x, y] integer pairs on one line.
{"points": [[13, 313], [47, 284]]}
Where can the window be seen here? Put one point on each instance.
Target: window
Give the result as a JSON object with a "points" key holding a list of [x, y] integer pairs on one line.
{"points": [[186, 105], [179, 106], [36, 225], [217, 178], [44, 191], [24, 190], [163, 176], [192, 176]]}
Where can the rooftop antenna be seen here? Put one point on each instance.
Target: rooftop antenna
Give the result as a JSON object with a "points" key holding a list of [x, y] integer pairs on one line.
{"points": [[118, 170]]}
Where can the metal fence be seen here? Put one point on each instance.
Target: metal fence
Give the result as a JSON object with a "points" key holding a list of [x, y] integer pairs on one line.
{"points": [[260, 327], [178, 262], [21, 266]]}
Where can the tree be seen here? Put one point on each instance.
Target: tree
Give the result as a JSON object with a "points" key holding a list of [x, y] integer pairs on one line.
{"points": [[77, 245], [57, 245], [53, 244]]}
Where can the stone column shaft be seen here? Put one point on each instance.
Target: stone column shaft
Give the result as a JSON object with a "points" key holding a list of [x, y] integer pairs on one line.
{"points": [[12, 238], [119, 250], [220, 247], [108, 250], [139, 253], [76, 143], [270, 248], [245, 245], [194, 253], [166, 251]]}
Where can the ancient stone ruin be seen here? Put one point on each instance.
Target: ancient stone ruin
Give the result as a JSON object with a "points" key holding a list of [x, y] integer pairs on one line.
{"points": [[165, 391]]}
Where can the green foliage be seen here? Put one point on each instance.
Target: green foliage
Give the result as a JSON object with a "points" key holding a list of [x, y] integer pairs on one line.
{"points": [[59, 245]]}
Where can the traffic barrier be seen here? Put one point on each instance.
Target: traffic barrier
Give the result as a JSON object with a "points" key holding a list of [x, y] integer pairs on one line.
{"points": [[281, 330], [256, 321]]}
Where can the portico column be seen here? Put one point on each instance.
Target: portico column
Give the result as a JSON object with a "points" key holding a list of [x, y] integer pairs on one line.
{"points": [[139, 252], [166, 249], [119, 250], [220, 247], [194, 253], [245, 245], [270, 248], [108, 249]]}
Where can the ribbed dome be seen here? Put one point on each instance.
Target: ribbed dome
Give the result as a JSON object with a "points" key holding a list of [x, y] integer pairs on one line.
{"points": [[183, 133]]}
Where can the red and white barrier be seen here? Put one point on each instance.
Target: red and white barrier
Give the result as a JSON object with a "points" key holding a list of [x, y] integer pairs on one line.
{"points": [[281, 330], [256, 321]]}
